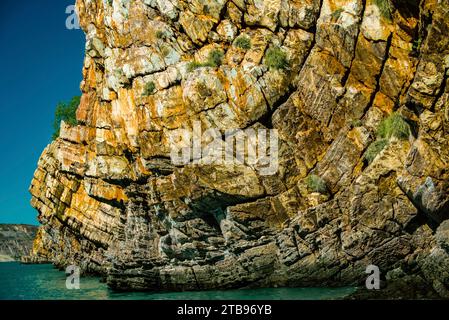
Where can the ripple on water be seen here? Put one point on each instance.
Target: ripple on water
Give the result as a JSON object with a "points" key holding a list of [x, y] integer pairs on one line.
{"points": [[44, 282]]}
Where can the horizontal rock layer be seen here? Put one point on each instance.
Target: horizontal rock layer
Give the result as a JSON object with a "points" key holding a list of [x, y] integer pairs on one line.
{"points": [[16, 241], [111, 201]]}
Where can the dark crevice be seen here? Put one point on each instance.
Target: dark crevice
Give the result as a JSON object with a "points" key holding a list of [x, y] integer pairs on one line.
{"points": [[354, 49], [129, 156], [418, 221], [407, 8], [113, 203], [416, 108], [196, 280], [266, 119], [414, 127], [441, 90], [379, 75]]}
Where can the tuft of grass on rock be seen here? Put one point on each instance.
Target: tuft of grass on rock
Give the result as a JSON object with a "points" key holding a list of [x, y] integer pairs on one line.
{"points": [[374, 149], [316, 184], [356, 123], [194, 65], [214, 59], [243, 42], [394, 126], [276, 58], [149, 89]]}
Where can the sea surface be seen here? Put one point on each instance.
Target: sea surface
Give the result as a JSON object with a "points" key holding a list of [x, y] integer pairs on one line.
{"points": [[44, 282]]}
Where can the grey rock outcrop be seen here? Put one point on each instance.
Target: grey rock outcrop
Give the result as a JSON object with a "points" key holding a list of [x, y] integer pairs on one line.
{"points": [[16, 241]]}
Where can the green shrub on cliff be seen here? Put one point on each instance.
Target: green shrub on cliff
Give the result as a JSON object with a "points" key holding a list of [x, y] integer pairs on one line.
{"points": [[276, 58], [394, 126], [194, 65], [149, 89], [65, 111], [374, 149], [243, 42], [214, 59], [316, 184]]}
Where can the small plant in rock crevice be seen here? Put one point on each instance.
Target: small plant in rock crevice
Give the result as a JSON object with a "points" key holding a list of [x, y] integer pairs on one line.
{"points": [[214, 59], [316, 184], [393, 126], [356, 123], [276, 58], [194, 65], [374, 149], [149, 89], [243, 42], [416, 46]]}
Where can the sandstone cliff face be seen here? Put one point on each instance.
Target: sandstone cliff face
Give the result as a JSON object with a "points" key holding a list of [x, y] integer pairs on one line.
{"points": [[16, 241], [110, 199]]}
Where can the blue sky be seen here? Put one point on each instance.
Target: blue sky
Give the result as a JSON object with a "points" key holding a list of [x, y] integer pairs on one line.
{"points": [[40, 65]]}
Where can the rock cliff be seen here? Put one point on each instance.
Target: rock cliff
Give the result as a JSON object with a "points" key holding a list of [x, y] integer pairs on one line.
{"points": [[16, 241], [357, 91]]}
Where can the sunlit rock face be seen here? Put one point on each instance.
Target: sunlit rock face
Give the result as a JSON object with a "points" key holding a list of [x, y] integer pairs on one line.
{"points": [[111, 200]]}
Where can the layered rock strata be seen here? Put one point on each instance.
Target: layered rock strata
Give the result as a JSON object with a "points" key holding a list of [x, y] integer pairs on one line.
{"points": [[111, 200], [16, 241]]}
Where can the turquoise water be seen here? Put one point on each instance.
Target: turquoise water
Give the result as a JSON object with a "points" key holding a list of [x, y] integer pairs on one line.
{"points": [[44, 282]]}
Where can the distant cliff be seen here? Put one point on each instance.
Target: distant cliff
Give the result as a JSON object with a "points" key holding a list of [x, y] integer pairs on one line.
{"points": [[16, 241], [358, 93]]}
